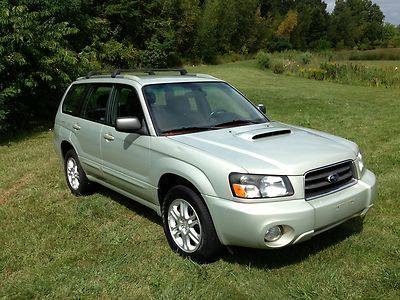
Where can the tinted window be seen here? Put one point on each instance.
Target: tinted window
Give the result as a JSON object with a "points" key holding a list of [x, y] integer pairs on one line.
{"points": [[204, 105], [126, 104], [72, 102], [96, 105]]}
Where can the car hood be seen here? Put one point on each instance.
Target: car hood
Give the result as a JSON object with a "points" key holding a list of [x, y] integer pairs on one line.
{"points": [[272, 148]]}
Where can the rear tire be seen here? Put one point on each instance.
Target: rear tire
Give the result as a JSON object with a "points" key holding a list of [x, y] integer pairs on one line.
{"points": [[76, 177], [188, 225]]}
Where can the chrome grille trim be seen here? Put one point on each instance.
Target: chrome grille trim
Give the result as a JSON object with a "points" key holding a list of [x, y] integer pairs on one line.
{"points": [[329, 179]]}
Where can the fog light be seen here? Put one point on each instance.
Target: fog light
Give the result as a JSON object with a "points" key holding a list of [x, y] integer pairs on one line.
{"points": [[273, 234]]}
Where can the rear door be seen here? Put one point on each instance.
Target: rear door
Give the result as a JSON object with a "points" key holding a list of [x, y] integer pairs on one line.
{"points": [[126, 155], [87, 128]]}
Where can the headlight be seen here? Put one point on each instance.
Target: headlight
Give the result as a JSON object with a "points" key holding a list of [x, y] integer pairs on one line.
{"points": [[360, 164], [260, 186]]}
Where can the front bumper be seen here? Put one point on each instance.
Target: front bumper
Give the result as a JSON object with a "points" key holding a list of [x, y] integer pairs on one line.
{"points": [[245, 224]]}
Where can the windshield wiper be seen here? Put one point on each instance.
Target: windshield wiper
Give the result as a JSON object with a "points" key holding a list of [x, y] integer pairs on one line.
{"points": [[236, 122], [186, 130]]}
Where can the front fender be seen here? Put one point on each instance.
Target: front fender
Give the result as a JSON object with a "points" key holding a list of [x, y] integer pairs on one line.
{"points": [[187, 171]]}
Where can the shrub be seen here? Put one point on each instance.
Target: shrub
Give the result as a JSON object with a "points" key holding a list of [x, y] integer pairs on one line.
{"points": [[278, 68], [320, 45], [279, 44], [306, 58], [313, 73], [355, 73], [263, 60]]}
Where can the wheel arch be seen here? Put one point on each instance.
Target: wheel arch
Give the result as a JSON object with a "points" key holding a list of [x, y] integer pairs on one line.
{"points": [[65, 147], [168, 181], [171, 171]]}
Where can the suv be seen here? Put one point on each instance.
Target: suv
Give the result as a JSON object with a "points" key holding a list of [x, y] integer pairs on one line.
{"points": [[208, 161]]}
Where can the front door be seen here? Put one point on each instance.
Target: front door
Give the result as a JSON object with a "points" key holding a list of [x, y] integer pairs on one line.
{"points": [[126, 155]]}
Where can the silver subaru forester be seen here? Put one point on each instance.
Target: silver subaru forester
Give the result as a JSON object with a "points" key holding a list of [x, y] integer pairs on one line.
{"points": [[208, 161]]}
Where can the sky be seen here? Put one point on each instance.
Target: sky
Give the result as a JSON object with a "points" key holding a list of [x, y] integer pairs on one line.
{"points": [[390, 8]]}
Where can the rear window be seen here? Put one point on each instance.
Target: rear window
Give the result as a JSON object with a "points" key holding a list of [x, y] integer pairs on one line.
{"points": [[72, 102]]}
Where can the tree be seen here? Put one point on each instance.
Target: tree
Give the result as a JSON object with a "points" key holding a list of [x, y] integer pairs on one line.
{"points": [[226, 26], [311, 30], [35, 64], [355, 22], [288, 24]]}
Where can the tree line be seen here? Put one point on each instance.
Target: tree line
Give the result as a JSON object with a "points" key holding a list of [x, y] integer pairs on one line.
{"points": [[44, 44]]}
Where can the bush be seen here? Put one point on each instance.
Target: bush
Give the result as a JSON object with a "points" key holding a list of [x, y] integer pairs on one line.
{"points": [[278, 68], [313, 73], [320, 45], [279, 44], [263, 60], [306, 58]]}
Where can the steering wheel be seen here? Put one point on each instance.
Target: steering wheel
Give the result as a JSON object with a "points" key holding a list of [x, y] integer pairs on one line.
{"points": [[214, 114]]}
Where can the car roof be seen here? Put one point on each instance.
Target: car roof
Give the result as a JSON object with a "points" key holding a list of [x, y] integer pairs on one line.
{"points": [[151, 78]]}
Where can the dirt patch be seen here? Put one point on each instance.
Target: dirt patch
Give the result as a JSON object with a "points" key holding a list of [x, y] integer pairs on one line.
{"points": [[7, 194]]}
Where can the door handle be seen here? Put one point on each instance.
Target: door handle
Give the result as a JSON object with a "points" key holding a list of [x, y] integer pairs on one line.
{"points": [[109, 137], [76, 127]]}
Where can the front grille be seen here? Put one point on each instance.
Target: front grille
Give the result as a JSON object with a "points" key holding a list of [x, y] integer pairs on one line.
{"points": [[328, 179]]}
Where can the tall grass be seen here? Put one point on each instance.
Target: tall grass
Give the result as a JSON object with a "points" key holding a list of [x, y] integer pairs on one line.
{"points": [[322, 66], [375, 54]]}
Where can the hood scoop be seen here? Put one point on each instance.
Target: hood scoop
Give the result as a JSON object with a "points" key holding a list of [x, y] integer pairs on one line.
{"points": [[271, 133]]}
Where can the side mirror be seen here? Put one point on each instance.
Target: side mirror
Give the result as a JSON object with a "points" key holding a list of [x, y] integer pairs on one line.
{"points": [[262, 108], [128, 124]]}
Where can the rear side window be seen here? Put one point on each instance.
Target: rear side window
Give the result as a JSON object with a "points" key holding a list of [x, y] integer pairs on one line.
{"points": [[72, 102], [95, 107]]}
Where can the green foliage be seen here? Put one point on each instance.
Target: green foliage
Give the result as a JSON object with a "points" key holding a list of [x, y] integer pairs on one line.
{"points": [[319, 66], [391, 36], [313, 73], [356, 23], [306, 58], [222, 29], [378, 54], [278, 68], [263, 60], [279, 44], [389, 54], [361, 74], [119, 55], [35, 64], [48, 43]]}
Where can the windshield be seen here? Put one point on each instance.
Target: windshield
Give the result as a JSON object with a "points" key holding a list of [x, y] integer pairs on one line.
{"points": [[178, 108]]}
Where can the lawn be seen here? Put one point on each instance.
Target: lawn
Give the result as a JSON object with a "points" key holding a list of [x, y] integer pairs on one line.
{"points": [[55, 245]]}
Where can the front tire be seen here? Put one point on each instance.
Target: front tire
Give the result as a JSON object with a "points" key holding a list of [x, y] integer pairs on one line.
{"points": [[188, 225], [76, 177]]}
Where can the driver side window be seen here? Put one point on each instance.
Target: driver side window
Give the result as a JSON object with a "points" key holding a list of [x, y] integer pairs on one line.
{"points": [[126, 104]]}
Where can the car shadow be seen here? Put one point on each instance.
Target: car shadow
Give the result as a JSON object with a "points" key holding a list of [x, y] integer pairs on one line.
{"points": [[130, 204], [258, 258], [293, 254]]}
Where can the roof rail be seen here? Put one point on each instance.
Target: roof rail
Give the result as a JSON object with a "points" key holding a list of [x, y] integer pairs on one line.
{"points": [[93, 73], [148, 71]]}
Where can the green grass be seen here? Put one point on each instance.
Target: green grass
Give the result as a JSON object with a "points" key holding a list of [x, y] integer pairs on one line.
{"points": [[54, 245]]}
